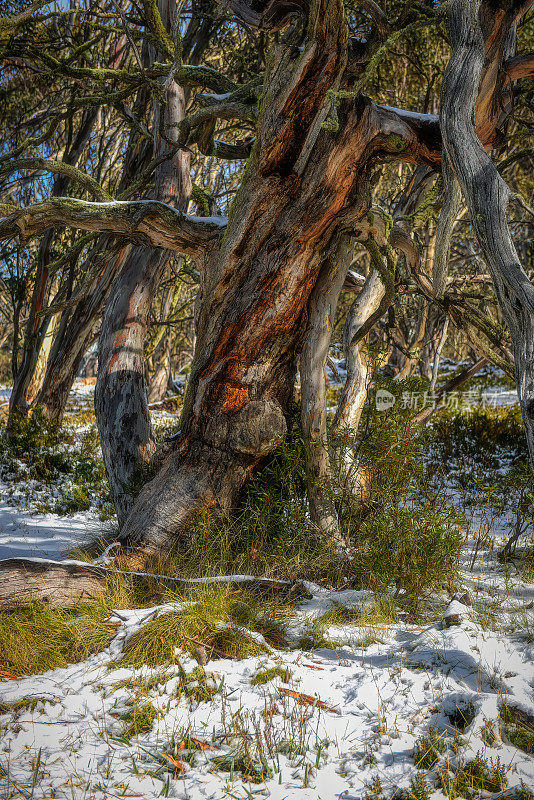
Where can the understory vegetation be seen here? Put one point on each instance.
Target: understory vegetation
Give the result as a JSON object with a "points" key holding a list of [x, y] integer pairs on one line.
{"points": [[410, 544], [404, 542]]}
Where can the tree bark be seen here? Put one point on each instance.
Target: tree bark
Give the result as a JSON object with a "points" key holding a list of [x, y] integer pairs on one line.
{"points": [[77, 330], [162, 373], [321, 319], [485, 192], [24, 581], [354, 392], [37, 325], [121, 402], [40, 368], [302, 186]]}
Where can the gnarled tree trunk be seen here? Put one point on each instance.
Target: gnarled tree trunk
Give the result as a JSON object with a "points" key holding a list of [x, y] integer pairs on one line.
{"points": [[303, 185], [485, 192]]}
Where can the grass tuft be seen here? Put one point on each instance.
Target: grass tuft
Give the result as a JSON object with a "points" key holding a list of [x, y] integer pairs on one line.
{"points": [[140, 719], [468, 779], [428, 749], [518, 729], [211, 620], [265, 675], [40, 637]]}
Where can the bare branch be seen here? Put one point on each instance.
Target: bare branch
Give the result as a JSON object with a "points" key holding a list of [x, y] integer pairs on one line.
{"points": [[57, 167], [8, 23], [520, 66], [138, 221], [485, 192]]}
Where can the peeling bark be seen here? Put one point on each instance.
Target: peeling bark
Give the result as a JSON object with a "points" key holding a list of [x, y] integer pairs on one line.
{"points": [[121, 402], [303, 186]]}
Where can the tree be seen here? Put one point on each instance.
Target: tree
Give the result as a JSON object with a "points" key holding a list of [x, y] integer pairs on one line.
{"points": [[266, 270]]}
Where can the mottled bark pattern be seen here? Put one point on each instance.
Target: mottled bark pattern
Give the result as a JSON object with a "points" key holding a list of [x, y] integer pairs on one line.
{"points": [[354, 392]]}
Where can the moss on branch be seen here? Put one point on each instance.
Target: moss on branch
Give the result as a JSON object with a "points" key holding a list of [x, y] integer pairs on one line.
{"points": [[141, 221]]}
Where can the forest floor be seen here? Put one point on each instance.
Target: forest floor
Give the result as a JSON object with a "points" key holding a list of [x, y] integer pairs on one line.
{"points": [[359, 697]]}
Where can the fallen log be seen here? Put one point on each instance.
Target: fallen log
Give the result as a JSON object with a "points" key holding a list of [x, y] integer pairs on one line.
{"points": [[67, 583], [60, 584]]}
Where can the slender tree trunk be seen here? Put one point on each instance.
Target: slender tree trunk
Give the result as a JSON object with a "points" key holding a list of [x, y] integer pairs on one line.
{"points": [[34, 335], [121, 402], [161, 378], [40, 368], [37, 325], [77, 327], [414, 342], [76, 332], [321, 319], [437, 355], [162, 373], [354, 393]]}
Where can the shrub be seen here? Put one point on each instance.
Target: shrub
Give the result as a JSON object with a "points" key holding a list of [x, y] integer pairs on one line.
{"points": [[402, 535], [37, 449], [415, 549]]}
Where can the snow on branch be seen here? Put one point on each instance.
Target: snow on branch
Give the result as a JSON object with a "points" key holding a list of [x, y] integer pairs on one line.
{"points": [[138, 221]]}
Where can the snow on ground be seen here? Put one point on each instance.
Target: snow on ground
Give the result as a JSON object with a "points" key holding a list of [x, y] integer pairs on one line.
{"points": [[377, 692], [44, 535], [379, 700]]}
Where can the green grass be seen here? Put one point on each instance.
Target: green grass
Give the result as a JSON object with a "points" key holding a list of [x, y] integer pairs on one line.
{"points": [[251, 769], [517, 730], [40, 638], [55, 455], [265, 675], [197, 686], [314, 639], [142, 684], [139, 719], [488, 733], [213, 618], [429, 748], [372, 620], [24, 704], [472, 777], [382, 610], [418, 790]]}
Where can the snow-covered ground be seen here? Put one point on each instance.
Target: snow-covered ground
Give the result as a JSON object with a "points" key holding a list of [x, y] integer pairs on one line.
{"points": [[380, 699], [44, 535], [380, 690]]}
